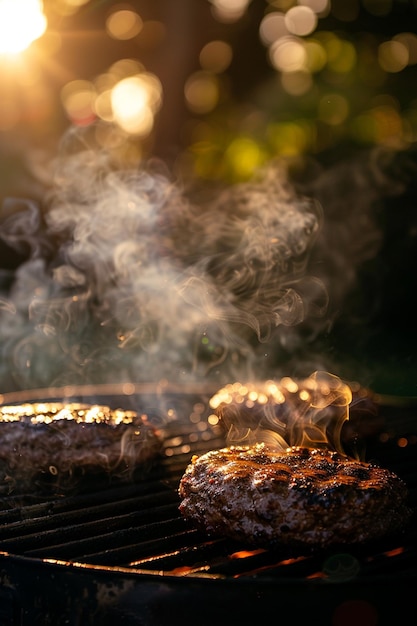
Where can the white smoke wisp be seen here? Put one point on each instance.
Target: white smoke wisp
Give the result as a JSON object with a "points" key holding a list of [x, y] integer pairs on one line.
{"points": [[129, 280]]}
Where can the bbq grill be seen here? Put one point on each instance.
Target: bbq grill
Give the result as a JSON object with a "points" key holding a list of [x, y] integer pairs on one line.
{"points": [[122, 554]]}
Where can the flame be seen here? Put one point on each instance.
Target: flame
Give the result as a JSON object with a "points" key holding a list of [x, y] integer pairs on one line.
{"points": [[21, 22], [308, 413]]}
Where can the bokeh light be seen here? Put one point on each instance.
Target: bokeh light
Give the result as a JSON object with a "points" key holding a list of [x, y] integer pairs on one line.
{"points": [[272, 27], [333, 109], [244, 156], [341, 54], [301, 20], [393, 56], [316, 55], [409, 41], [297, 83], [288, 54], [67, 8], [323, 72], [201, 92], [21, 23], [134, 102], [78, 98], [216, 56], [320, 7], [229, 10], [124, 24]]}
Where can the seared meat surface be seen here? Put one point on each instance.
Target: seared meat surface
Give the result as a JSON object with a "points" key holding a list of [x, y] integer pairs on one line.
{"points": [[301, 496], [59, 446]]}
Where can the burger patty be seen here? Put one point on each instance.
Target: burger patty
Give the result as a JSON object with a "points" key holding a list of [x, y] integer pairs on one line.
{"points": [[300, 496], [44, 445]]}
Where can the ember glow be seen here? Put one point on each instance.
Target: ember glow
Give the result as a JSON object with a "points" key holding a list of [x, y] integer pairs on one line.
{"points": [[21, 22]]}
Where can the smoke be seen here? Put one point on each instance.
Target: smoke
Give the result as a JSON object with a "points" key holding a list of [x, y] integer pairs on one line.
{"points": [[126, 278], [129, 277]]}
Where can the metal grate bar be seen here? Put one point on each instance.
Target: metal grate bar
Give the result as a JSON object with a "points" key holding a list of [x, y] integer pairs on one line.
{"points": [[175, 539], [111, 514], [109, 543]]}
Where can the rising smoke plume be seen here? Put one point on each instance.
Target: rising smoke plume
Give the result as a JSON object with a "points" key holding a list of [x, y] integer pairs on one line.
{"points": [[127, 277]]}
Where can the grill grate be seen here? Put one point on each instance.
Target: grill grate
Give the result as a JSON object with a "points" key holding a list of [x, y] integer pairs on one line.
{"points": [[138, 526], [124, 555]]}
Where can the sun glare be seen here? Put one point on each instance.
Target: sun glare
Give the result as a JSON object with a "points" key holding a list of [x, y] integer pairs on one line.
{"points": [[21, 22]]}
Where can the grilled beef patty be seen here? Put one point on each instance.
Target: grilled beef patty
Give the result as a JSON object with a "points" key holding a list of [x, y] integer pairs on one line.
{"points": [[299, 496], [61, 446]]}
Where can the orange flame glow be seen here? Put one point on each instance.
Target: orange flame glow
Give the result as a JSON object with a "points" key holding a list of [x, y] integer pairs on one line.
{"points": [[308, 413]]}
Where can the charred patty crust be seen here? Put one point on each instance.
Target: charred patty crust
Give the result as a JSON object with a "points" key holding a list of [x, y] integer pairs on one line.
{"points": [[298, 496], [58, 445]]}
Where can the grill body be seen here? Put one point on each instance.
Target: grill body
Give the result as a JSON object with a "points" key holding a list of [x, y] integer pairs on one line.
{"points": [[122, 554], [55, 595]]}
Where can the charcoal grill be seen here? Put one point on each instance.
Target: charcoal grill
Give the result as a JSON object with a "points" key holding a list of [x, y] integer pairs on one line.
{"points": [[122, 554]]}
